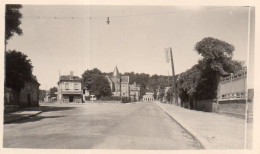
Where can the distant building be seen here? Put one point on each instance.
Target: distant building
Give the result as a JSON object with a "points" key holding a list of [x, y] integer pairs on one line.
{"points": [[134, 92], [149, 96], [119, 84], [69, 89], [47, 97]]}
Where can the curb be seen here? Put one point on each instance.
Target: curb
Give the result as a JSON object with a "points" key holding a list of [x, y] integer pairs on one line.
{"points": [[22, 118], [204, 143]]}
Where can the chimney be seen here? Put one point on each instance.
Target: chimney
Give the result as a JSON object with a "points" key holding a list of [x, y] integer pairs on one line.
{"points": [[71, 75]]}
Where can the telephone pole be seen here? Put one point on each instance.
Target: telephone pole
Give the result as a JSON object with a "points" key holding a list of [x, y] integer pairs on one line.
{"points": [[173, 77]]}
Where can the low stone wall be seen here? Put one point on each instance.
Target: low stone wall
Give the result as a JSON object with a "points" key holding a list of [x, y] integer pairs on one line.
{"points": [[233, 107]]}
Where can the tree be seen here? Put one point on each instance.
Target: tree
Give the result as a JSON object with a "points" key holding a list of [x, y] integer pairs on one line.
{"points": [[89, 76], [217, 61], [53, 90], [18, 70], [100, 87], [96, 83], [12, 20], [201, 81]]}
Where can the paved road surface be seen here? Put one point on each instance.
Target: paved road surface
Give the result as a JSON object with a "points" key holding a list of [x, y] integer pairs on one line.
{"points": [[99, 126]]}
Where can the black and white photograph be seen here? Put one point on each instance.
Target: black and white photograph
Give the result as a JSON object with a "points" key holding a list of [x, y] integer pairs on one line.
{"points": [[128, 77]]}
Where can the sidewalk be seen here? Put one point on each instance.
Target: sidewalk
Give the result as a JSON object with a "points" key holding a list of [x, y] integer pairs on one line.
{"points": [[213, 130], [21, 114]]}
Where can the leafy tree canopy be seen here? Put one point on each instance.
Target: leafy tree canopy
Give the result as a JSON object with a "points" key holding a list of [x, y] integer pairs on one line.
{"points": [[95, 81], [12, 20], [53, 90], [215, 52], [202, 79], [18, 70]]}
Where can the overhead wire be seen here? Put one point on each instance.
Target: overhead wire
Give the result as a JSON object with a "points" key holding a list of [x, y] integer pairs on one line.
{"points": [[106, 17]]}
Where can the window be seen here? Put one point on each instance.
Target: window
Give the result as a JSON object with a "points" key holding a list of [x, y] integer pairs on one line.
{"points": [[66, 86], [76, 86]]}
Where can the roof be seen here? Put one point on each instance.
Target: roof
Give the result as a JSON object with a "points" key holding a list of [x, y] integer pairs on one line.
{"points": [[135, 85], [33, 80], [67, 78], [116, 72], [124, 79]]}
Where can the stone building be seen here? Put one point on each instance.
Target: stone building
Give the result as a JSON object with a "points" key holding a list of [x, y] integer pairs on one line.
{"points": [[69, 89], [119, 84], [134, 92], [28, 96]]}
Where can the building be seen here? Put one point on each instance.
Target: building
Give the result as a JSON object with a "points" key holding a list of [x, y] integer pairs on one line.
{"points": [[149, 96], [119, 84], [47, 97], [233, 87], [134, 92], [69, 89], [28, 96]]}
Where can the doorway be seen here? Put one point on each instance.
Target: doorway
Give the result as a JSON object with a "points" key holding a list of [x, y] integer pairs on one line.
{"points": [[70, 98]]}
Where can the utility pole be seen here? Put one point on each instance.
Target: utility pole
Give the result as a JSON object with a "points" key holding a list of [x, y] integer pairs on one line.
{"points": [[173, 77]]}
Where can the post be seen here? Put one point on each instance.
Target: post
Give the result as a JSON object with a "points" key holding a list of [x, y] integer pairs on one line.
{"points": [[231, 80], [173, 77], [217, 109], [120, 88]]}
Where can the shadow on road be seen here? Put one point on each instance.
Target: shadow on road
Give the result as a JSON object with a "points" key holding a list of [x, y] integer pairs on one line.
{"points": [[33, 119], [23, 116], [55, 108], [48, 108]]}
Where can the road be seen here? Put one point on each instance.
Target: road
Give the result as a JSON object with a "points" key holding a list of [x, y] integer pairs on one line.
{"points": [[141, 126]]}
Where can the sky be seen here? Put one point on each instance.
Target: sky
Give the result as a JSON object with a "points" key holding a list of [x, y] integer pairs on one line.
{"points": [[60, 39]]}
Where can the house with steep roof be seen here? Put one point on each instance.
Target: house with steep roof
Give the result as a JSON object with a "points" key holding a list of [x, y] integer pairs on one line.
{"points": [[119, 84], [69, 89]]}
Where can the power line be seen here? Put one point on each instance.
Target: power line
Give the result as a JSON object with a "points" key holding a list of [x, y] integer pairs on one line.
{"points": [[106, 17]]}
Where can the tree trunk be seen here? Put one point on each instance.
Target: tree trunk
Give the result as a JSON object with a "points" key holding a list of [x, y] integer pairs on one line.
{"points": [[216, 84]]}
